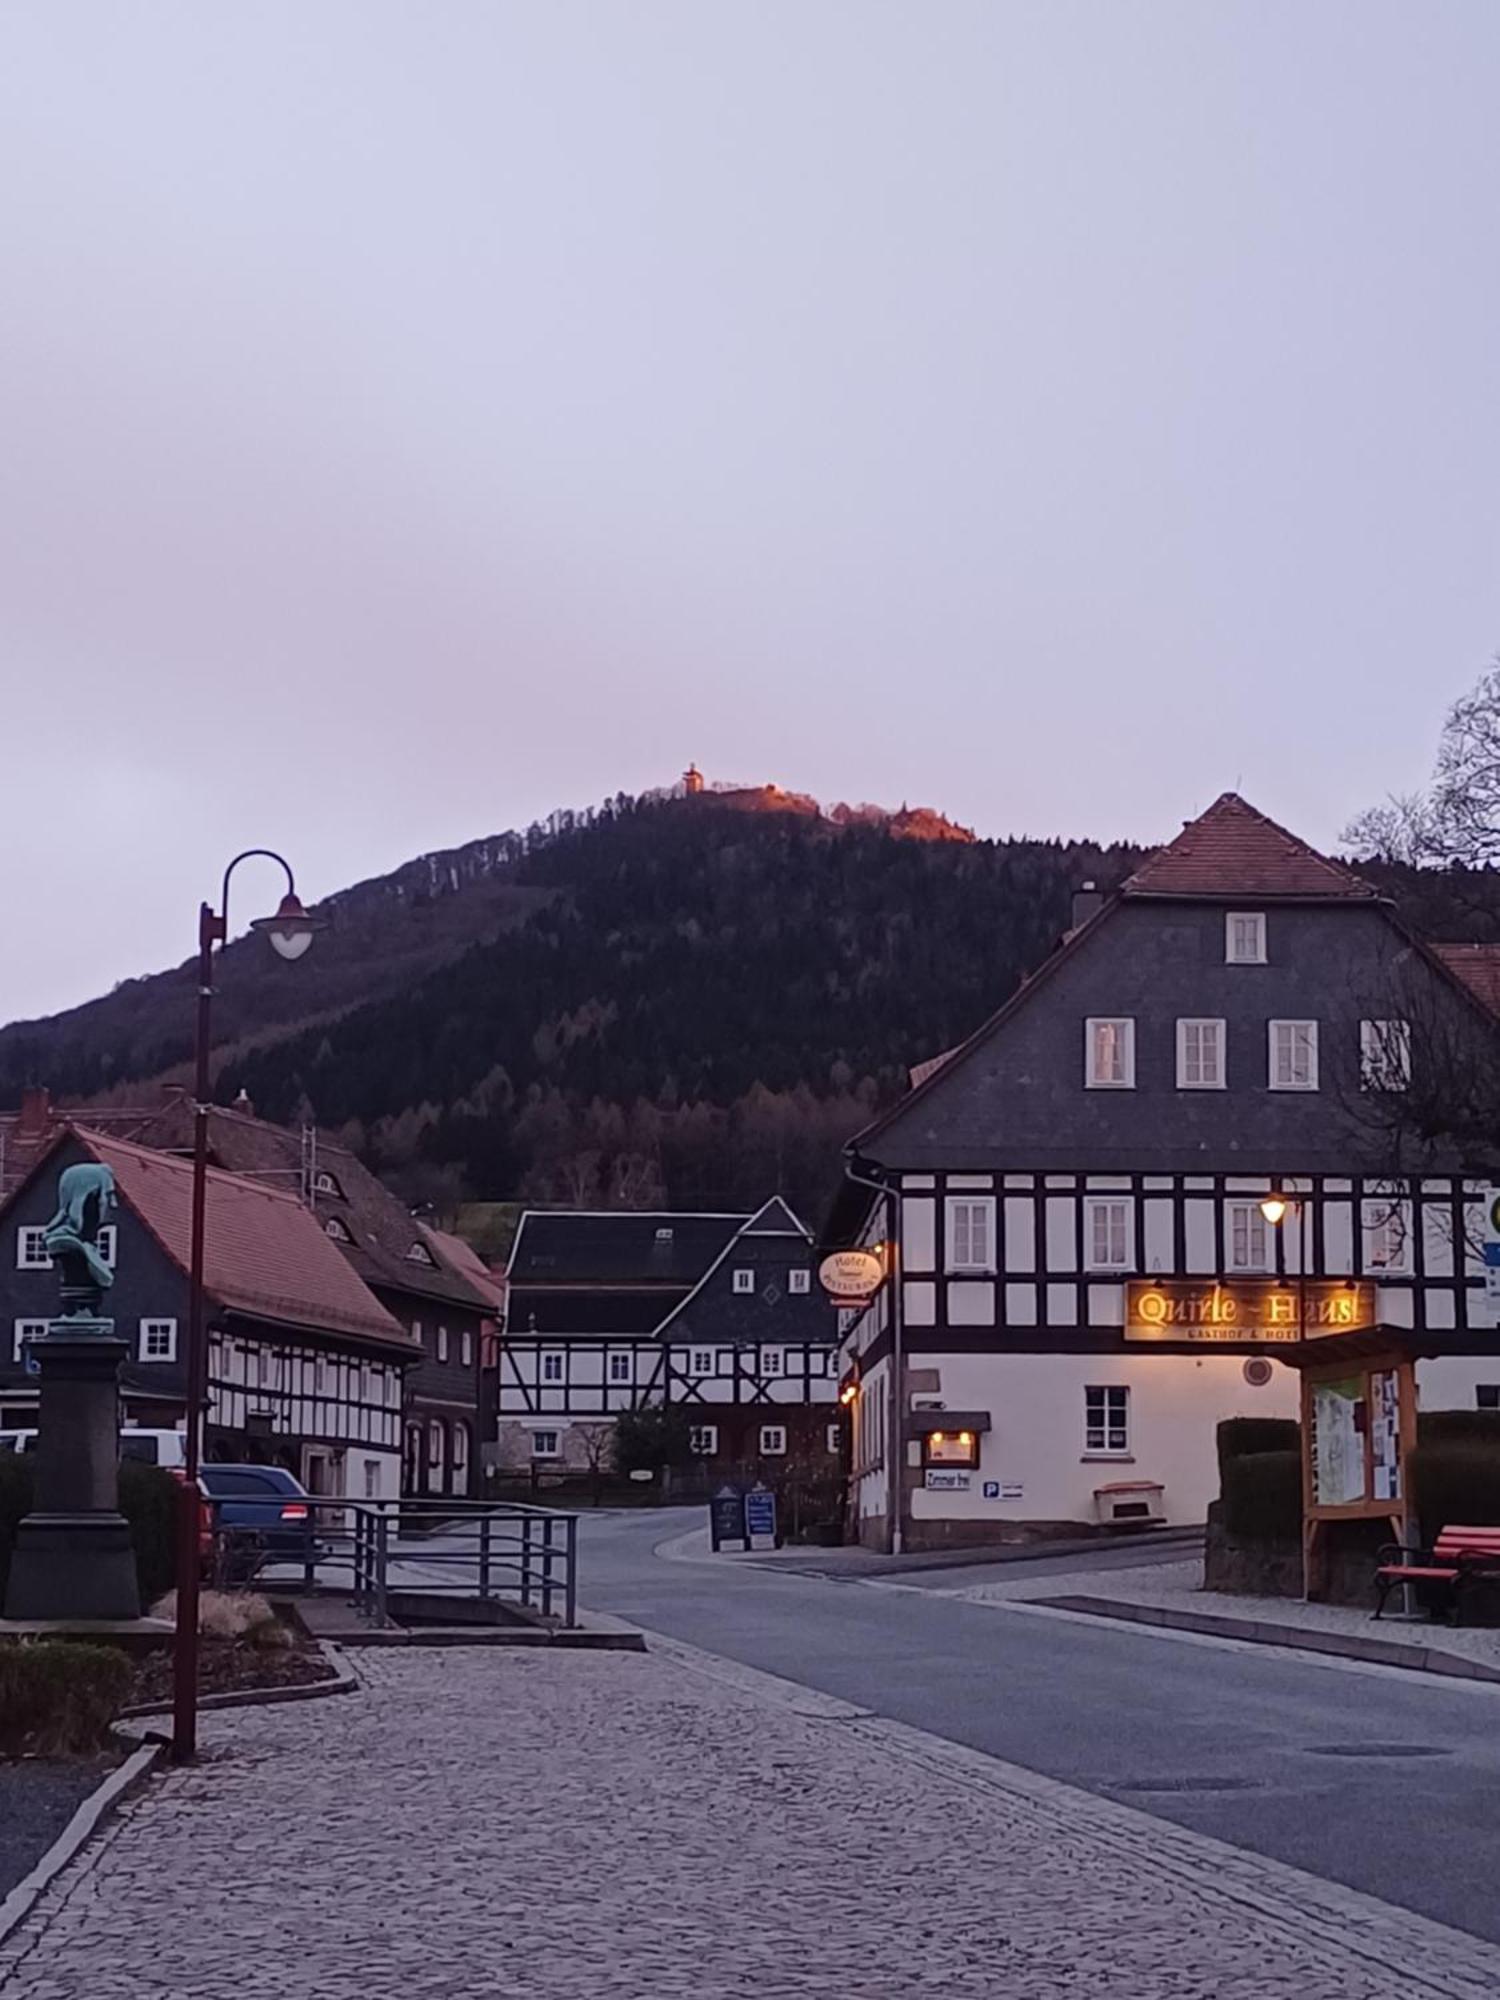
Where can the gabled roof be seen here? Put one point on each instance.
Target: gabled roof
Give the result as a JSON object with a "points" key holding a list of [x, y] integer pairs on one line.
{"points": [[813, 1309], [622, 1247], [774, 1219], [264, 1253], [1233, 850], [1478, 966], [466, 1259]]}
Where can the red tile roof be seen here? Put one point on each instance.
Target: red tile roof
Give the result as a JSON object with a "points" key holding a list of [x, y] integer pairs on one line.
{"points": [[264, 1253], [1233, 850], [466, 1259], [1478, 966]]}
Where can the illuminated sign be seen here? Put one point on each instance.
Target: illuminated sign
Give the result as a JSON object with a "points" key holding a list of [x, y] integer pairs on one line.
{"points": [[851, 1275], [1244, 1311]]}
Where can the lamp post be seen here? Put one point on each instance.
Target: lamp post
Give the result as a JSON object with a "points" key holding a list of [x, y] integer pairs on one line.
{"points": [[1276, 1207], [291, 931]]}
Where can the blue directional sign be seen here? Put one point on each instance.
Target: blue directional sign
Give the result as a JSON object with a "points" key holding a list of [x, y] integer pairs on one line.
{"points": [[760, 1517]]}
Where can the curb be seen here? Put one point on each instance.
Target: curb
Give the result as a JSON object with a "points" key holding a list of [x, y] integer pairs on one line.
{"points": [[1261, 1632], [79, 1830], [343, 1680], [579, 1639]]}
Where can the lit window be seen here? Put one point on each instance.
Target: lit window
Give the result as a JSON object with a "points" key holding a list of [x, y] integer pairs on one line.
{"points": [[619, 1367], [1387, 1228], [799, 1281], [700, 1361], [1106, 1420], [1384, 1055], [1294, 1055], [744, 1281], [1107, 1234], [1246, 1238], [26, 1330], [544, 1444], [1200, 1055], [773, 1440], [971, 1234], [31, 1250], [442, 1343], [552, 1367], [770, 1361], [1245, 938], [1109, 1054], [158, 1340], [703, 1440]]}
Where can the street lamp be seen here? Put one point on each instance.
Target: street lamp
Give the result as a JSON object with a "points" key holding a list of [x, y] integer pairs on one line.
{"points": [[291, 931], [1276, 1207]]}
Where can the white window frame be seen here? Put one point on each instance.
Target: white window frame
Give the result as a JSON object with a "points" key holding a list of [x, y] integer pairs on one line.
{"points": [[1185, 1037], [744, 1279], [620, 1368], [772, 1361], [553, 1450], [769, 1436], [1385, 1223], [1123, 1239], [145, 1332], [799, 1282], [325, 1183], [1107, 1437], [336, 1231], [959, 1212], [442, 1343], [1384, 1055], [703, 1440], [702, 1361], [25, 1329], [1274, 1079], [108, 1243], [1093, 1076], [554, 1366], [31, 1248], [1257, 954], [1257, 1230], [466, 1347]]}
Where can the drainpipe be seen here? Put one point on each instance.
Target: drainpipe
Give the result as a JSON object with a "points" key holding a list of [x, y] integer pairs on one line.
{"points": [[896, 1427]]}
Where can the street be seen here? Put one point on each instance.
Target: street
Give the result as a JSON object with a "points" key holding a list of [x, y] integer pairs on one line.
{"points": [[1381, 1780]]}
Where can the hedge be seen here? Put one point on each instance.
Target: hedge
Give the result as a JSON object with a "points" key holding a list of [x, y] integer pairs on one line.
{"points": [[1464, 1428], [58, 1699], [1455, 1486], [148, 1500], [1242, 1437], [1262, 1493]]}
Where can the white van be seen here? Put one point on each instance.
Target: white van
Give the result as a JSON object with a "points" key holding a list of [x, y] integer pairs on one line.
{"points": [[167, 1448]]}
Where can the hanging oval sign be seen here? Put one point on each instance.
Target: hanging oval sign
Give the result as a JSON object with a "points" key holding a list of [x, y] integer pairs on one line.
{"points": [[851, 1274]]}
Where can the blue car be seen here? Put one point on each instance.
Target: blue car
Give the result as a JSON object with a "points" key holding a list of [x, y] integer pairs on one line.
{"points": [[262, 1515]]}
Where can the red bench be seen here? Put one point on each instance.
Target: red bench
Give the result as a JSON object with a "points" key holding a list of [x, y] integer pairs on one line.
{"points": [[1459, 1557]]}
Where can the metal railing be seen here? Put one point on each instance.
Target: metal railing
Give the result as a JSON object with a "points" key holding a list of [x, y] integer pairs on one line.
{"points": [[491, 1555]]}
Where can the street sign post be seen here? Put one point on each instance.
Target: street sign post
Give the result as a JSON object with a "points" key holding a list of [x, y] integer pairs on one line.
{"points": [[760, 1518]]}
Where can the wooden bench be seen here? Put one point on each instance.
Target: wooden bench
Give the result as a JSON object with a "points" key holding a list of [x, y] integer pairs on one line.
{"points": [[1458, 1558]]}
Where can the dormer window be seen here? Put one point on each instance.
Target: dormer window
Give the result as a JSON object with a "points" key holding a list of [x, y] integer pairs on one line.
{"points": [[1245, 937], [420, 1254], [334, 1228], [325, 1183], [664, 1235]]}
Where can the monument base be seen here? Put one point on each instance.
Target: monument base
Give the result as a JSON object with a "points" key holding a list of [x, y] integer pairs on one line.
{"points": [[73, 1567]]}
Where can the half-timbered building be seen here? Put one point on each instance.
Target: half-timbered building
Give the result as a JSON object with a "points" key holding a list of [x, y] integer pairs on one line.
{"points": [[1181, 1145], [721, 1314]]}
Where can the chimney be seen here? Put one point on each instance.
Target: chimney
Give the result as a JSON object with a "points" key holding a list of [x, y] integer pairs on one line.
{"points": [[244, 1102], [1087, 902], [36, 1111]]}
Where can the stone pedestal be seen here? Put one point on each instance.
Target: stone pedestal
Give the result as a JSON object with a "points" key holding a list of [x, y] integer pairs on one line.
{"points": [[73, 1556]]}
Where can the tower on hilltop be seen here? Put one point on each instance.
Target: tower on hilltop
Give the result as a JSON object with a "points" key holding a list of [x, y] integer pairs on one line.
{"points": [[692, 780]]}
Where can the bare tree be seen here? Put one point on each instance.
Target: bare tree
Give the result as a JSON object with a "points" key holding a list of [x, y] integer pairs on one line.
{"points": [[1458, 817]]}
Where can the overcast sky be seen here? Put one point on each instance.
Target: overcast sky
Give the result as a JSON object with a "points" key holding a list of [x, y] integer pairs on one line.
{"points": [[419, 416]]}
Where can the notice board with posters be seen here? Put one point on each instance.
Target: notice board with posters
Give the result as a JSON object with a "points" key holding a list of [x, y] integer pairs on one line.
{"points": [[1359, 1421]]}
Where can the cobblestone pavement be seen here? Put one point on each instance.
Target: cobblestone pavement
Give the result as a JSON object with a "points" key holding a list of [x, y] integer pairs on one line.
{"points": [[570, 1825]]}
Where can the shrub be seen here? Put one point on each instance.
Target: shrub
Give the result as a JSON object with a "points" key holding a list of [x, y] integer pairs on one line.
{"points": [[1242, 1437], [654, 1437], [1262, 1494], [1455, 1485], [148, 1500], [58, 1699], [1460, 1427], [229, 1615]]}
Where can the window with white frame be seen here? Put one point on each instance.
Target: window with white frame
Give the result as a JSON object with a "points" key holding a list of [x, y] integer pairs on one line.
{"points": [[325, 1183], [703, 1440], [700, 1361], [108, 1242], [26, 1330], [1106, 1420], [620, 1365], [799, 1281], [442, 1343], [31, 1250], [1106, 1233], [552, 1368], [466, 1347], [971, 1232], [771, 1360], [1109, 1052], [1247, 1242], [1384, 1055], [1387, 1234], [1293, 1055], [334, 1228], [744, 1279], [1200, 1055], [544, 1444], [158, 1340], [773, 1440], [1245, 937]]}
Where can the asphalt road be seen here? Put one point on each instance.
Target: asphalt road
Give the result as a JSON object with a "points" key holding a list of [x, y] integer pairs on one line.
{"points": [[1386, 1781]]}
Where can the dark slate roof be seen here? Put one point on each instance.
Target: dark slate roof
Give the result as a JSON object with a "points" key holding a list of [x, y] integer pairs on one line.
{"points": [[589, 1315], [382, 1235], [617, 1247], [774, 1219], [1233, 850], [771, 1243]]}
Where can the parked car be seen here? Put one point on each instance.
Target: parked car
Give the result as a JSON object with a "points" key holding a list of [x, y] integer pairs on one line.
{"points": [[146, 1447], [262, 1515]]}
